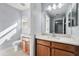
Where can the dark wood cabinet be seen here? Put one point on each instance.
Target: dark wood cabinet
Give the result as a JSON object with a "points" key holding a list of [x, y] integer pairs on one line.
{"points": [[62, 53], [50, 48], [52, 51], [43, 50], [63, 46]]}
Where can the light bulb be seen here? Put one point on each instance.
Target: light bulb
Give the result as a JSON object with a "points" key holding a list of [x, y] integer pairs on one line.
{"points": [[49, 8], [60, 5], [54, 6]]}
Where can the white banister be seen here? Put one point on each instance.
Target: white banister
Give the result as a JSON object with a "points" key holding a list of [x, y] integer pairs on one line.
{"points": [[7, 30]]}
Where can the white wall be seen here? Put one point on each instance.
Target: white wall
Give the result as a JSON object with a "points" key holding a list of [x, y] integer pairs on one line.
{"points": [[36, 18], [35, 24], [8, 17], [26, 14]]}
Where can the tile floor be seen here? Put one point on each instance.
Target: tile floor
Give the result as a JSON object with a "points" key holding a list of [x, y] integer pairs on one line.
{"points": [[11, 52]]}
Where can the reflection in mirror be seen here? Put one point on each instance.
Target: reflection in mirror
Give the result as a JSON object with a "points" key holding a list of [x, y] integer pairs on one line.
{"points": [[57, 18], [59, 26], [73, 19]]}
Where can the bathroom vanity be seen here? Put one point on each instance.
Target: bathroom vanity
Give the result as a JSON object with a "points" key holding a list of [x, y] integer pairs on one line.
{"points": [[56, 47], [61, 38]]}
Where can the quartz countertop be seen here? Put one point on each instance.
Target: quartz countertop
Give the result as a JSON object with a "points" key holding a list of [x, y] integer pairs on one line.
{"points": [[62, 39]]}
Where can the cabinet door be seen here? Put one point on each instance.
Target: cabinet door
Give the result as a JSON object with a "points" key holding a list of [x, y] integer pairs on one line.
{"points": [[52, 53], [62, 46], [62, 53], [43, 50]]}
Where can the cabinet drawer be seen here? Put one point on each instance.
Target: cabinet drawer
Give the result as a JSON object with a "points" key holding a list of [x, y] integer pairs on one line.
{"points": [[39, 41], [62, 53], [64, 46], [43, 50]]}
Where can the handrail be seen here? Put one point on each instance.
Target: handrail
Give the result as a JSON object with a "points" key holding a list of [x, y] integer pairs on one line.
{"points": [[8, 36], [6, 31]]}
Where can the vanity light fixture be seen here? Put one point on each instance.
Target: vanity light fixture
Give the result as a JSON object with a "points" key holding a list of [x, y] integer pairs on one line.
{"points": [[54, 6]]}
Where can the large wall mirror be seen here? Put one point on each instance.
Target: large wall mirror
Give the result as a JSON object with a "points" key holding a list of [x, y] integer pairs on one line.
{"points": [[58, 19], [61, 21]]}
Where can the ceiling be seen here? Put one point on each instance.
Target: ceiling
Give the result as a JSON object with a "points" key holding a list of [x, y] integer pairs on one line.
{"points": [[57, 12], [20, 6]]}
